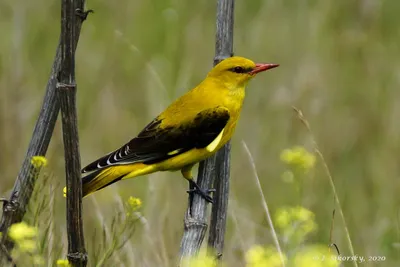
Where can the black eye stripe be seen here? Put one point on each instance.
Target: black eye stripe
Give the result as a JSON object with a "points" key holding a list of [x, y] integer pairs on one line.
{"points": [[240, 70]]}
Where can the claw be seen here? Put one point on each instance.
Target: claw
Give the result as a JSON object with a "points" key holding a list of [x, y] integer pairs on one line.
{"points": [[83, 14], [204, 193], [207, 191], [5, 201]]}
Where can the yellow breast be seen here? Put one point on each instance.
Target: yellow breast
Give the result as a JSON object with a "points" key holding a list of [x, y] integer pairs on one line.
{"points": [[208, 95]]}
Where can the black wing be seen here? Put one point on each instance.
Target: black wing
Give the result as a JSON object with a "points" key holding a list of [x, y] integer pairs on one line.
{"points": [[156, 143]]}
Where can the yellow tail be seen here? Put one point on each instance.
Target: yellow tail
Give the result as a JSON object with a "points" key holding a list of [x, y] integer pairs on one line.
{"points": [[98, 180], [102, 178]]}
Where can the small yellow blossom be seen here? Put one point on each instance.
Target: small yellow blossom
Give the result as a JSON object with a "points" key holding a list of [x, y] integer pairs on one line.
{"points": [[38, 260], [283, 218], [27, 245], [20, 231], [315, 256], [63, 263], [202, 260], [134, 203], [258, 256], [295, 222], [24, 236], [298, 157], [255, 256], [38, 161], [65, 192], [288, 177]]}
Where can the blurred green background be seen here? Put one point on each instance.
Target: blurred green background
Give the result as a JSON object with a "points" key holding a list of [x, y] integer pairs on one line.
{"points": [[339, 64]]}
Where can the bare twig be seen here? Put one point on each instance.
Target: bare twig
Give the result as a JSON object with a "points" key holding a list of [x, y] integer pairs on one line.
{"points": [[195, 225], [219, 212], [332, 227], [214, 170], [7, 255], [66, 89], [303, 120], [15, 209], [223, 49], [336, 248], [265, 205]]}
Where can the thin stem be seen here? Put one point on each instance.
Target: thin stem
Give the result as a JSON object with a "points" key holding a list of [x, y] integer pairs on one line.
{"points": [[301, 117], [15, 208], [215, 168], [66, 88], [219, 213], [265, 205]]}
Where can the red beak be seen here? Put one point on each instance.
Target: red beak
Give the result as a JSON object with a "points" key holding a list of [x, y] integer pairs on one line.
{"points": [[263, 67]]}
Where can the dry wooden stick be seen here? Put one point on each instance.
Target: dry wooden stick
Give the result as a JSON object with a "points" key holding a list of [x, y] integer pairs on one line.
{"points": [[214, 170], [14, 209], [66, 89], [223, 49]]}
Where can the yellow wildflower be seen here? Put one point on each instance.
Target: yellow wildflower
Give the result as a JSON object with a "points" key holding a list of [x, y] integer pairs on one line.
{"points": [[24, 236], [257, 256], [283, 218], [315, 256], [65, 192], [38, 161], [306, 217], [27, 245], [202, 260], [63, 263], [295, 222], [298, 157], [134, 203], [288, 177], [20, 231], [38, 260]]}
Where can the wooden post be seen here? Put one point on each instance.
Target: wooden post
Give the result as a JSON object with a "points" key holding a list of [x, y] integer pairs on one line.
{"points": [[214, 170], [66, 89], [223, 49], [15, 207]]}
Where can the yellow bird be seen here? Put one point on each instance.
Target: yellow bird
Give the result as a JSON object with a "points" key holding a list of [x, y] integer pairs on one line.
{"points": [[191, 129]]}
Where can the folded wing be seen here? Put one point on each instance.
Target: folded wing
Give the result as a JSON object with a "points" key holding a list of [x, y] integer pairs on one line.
{"points": [[157, 142]]}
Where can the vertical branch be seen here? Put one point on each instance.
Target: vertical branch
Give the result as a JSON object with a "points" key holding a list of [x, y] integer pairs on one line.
{"points": [[223, 49], [14, 209], [219, 210], [224, 33], [195, 223], [76, 245], [215, 168], [67, 97]]}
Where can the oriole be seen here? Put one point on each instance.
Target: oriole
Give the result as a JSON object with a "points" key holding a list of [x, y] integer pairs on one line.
{"points": [[191, 129]]}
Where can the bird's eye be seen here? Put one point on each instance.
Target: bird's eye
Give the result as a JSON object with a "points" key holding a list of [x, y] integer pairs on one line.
{"points": [[238, 70]]}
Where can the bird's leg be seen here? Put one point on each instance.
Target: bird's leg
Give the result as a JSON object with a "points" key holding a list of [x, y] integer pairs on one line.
{"points": [[194, 188], [204, 193]]}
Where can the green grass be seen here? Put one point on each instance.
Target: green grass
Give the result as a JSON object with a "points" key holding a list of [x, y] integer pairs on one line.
{"points": [[338, 65]]}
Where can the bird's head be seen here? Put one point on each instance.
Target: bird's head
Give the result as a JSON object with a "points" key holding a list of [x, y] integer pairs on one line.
{"points": [[237, 71]]}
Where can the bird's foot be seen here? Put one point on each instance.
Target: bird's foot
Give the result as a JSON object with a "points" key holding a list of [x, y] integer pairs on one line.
{"points": [[83, 14], [204, 193]]}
